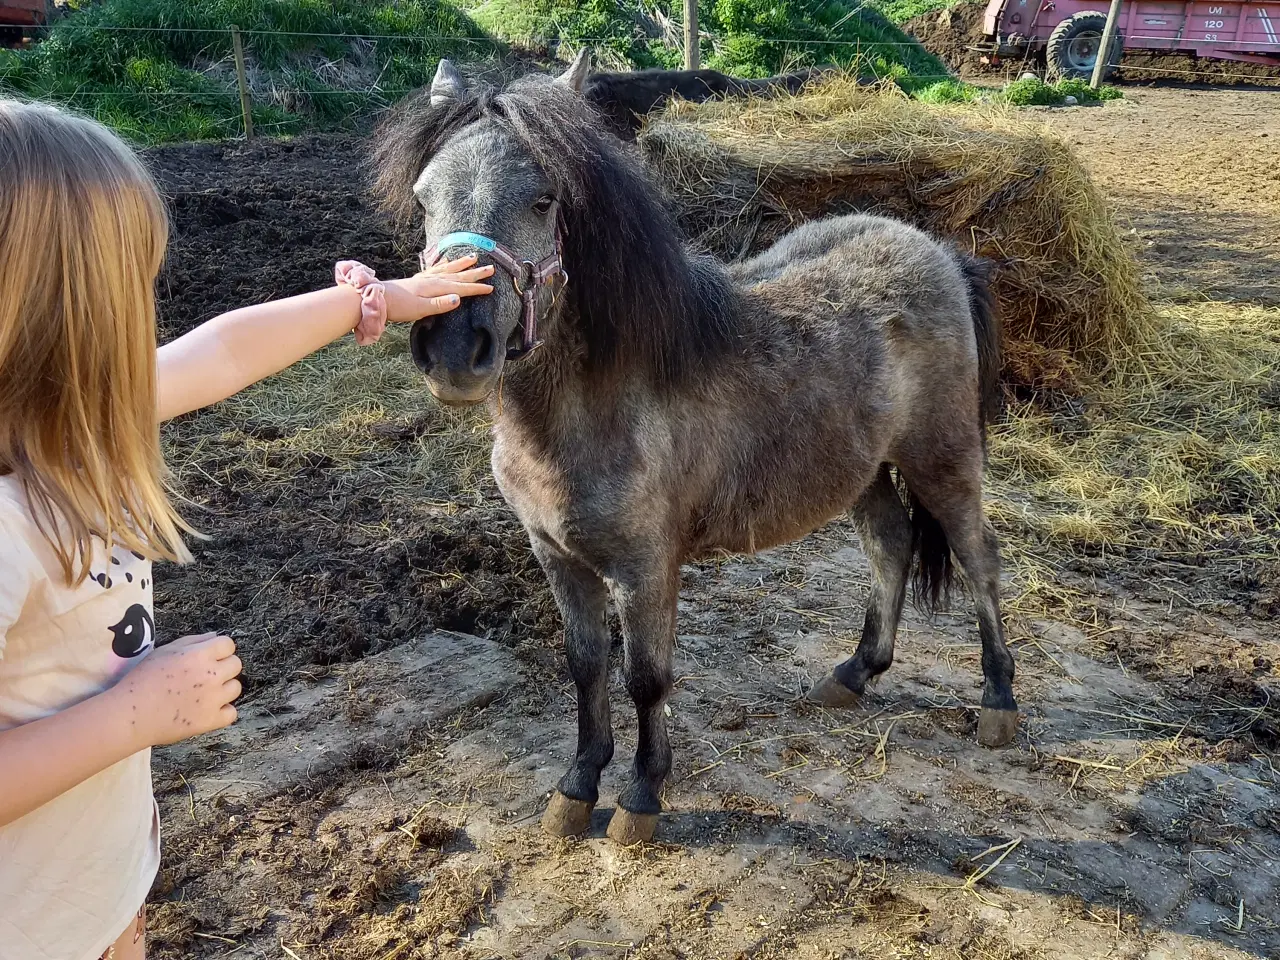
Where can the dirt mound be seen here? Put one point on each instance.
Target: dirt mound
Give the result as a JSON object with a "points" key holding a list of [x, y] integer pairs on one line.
{"points": [[949, 34], [1137, 66], [1068, 289]]}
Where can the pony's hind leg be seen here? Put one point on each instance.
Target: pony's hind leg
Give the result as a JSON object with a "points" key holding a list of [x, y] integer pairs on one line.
{"points": [[581, 596], [647, 609], [885, 530], [954, 497]]}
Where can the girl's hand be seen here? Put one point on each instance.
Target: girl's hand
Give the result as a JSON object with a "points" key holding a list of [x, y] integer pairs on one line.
{"points": [[183, 689], [436, 290]]}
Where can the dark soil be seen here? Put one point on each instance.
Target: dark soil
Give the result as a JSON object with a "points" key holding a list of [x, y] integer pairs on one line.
{"points": [[268, 220], [254, 222]]}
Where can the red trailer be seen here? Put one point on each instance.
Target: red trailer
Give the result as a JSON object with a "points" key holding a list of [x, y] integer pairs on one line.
{"points": [[1069, 32], [23, 13]]}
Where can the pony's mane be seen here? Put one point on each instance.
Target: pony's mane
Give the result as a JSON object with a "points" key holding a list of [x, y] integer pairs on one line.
{"points": [[640, 297]]}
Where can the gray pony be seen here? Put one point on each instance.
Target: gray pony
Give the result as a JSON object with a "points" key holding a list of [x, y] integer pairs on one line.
{"points": [[654, 406]]}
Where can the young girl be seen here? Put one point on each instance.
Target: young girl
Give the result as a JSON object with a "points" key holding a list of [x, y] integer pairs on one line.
{"points": [[84, 511]]}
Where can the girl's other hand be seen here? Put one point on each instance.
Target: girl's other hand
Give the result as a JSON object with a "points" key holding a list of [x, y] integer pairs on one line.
{"points": [[183, 689], [436, 290]]}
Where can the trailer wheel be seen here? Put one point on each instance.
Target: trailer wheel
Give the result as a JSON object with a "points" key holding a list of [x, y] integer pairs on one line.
{"points": [[1073, 46]]}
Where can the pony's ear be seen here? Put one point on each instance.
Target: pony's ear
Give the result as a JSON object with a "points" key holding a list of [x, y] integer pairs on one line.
{"points": [[448, 84], [576, 76]]}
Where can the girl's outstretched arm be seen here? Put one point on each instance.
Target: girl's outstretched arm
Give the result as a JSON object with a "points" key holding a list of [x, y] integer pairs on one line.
{"points": [[220, 358]]}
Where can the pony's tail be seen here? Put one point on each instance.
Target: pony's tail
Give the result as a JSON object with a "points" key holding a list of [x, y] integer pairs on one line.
{"points": [[986, 329], [933, 572]]}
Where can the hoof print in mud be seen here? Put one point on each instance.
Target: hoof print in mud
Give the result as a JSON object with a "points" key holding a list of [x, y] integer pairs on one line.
{"points": [[566, 817], [997, 728], [830, 692], [627, 829]]}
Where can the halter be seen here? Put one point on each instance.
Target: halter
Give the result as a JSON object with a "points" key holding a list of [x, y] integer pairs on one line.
{"points": [[526, 276]]}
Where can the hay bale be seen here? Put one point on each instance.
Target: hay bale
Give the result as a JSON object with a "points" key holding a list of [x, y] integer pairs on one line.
{"points": [[742, 175]]}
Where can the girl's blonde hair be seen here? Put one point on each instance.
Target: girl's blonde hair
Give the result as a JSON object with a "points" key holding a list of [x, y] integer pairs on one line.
{"points": [[82, 237]]}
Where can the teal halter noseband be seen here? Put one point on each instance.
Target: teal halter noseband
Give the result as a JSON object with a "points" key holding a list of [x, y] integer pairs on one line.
{"points": [[526, 276]]}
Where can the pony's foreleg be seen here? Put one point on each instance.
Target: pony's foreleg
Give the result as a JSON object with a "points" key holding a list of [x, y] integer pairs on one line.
{"points": [[646, 604], [885, 530], [581, 596]]}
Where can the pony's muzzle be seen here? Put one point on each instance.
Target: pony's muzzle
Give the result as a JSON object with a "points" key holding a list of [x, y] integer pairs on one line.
{"points": [[459, 354]]}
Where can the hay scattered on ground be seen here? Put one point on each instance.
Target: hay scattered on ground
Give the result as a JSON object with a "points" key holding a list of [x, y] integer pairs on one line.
{"points": [[1177, 459], [742, 175]]}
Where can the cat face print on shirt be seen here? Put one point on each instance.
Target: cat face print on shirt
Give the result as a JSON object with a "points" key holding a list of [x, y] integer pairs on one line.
{"points": [[129, 575]]}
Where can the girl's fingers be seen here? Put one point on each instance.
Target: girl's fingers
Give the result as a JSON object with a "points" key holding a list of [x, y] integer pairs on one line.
{"points": [[229, 668], [437, 305], [470, 276], [461, 276], [453, 266], [469, 289], [230, 690], [226, 716], [222, 647]]}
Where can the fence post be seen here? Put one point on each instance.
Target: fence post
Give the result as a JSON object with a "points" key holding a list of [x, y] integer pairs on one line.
{"points": [[692, 55], [1104, 51], [246, 105]]}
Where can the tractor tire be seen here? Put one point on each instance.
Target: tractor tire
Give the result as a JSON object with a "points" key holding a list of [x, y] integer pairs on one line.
{"points": [[1073, 47]]}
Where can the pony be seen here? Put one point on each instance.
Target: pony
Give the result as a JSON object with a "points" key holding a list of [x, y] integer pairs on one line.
{"points": [[653, 406]]}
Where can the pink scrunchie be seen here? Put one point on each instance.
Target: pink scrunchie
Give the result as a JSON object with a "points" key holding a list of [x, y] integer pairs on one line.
{"points": [[373, 299]]}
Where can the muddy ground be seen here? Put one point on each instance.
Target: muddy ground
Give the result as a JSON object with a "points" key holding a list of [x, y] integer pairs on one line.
{"points": [[407, 709]]}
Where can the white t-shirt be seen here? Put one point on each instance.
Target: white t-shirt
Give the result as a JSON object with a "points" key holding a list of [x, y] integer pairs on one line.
{"points": [[74, 872]]}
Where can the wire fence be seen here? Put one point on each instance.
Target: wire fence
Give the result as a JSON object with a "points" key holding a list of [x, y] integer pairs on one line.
{"points": [[360, 78], [534, 42], [220, 88]]}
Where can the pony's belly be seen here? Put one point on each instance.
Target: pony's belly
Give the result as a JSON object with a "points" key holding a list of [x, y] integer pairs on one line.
{"points": [[743, 531]]}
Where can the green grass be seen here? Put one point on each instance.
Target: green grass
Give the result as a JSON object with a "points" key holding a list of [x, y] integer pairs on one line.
{"points": [[900, 11], [169, 76], [615, 29], [162, 70], [763, 37], [1033, 91], [749, 38], [1018, 93]]}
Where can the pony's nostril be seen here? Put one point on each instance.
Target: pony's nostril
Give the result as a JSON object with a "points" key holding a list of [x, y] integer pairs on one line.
{"points": [[418, 346], [482, 354]]}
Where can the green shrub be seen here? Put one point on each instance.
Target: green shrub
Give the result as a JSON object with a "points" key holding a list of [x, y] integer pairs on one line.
{"points": [[1031, 91], [900, 11], [763, 37], [945, 91]]}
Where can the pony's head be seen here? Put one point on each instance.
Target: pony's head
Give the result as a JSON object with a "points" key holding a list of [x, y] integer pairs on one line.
{"points": [[490, 170], [533, 169]]}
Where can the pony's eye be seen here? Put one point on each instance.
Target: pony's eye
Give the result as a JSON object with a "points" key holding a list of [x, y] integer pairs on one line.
{"points": [[543, 204]]}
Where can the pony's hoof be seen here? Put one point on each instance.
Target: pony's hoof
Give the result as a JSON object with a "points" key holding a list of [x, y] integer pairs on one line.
{"points": [[566, 817], [627, 828], [830, 692], [997, 728]]}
